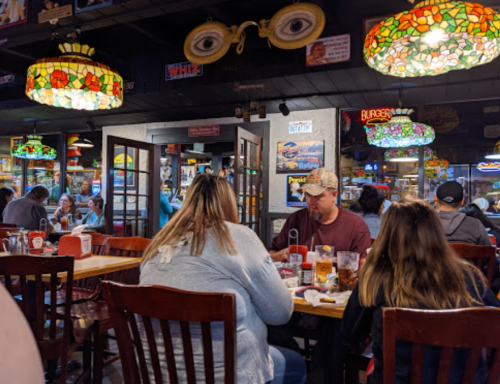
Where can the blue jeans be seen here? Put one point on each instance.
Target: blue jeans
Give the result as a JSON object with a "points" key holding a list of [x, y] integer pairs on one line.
{"points": [[289, 366]]}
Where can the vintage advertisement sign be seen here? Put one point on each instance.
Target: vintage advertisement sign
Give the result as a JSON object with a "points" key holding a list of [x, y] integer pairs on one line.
{"points": [[204, 130], [299, 156], [441, 118], [294, 197], [13, 12], [300, 127], [183, 70], [375, 116], [53, 10], [329, 50], [89, 5]]}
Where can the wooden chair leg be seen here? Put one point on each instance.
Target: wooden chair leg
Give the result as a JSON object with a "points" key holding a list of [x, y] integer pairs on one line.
{"points": [[64, 370], [87, 362], [51, 370], [98, 354]]}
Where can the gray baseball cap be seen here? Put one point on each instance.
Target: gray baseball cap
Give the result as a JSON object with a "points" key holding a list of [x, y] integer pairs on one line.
{"points": [[319, 180]]}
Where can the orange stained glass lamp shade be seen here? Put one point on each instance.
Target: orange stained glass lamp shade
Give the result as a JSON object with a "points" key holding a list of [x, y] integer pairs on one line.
{"points": [[74, 81], [433, 38], [496, 152]]}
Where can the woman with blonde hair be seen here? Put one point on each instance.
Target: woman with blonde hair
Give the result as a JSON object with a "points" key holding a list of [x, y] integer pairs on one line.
{"points": [[204, 249], [411, 265]]}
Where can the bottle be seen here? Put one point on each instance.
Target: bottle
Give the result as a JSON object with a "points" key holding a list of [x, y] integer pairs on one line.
{"points": [[307, 274]]}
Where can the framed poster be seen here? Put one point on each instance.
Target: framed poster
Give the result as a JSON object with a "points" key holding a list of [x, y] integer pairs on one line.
{"points": [[13, 12], [122, 161], [52, 10], [89, 5], [328, 50], [294, 197], [77, 179], [299, 156]]}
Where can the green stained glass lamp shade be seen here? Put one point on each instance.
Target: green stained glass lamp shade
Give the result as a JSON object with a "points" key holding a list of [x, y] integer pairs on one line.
{"points": [[409, 154], [33, 149], [433, 38], [400, 131]]}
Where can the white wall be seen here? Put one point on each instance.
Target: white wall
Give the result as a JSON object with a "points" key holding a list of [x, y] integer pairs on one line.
{"points": [[324, 127]]}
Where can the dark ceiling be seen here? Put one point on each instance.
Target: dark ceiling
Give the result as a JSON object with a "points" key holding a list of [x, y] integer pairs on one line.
{"points": [[140, 37]]}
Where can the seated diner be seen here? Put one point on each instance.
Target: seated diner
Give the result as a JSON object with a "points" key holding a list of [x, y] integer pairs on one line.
{"points": [[66, 207], [95, 218]]}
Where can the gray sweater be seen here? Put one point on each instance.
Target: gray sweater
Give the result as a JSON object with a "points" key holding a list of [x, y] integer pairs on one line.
{"points": [[261, 298], [460, 228]]}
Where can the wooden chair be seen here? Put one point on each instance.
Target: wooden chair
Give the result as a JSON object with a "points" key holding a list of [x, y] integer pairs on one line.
{"points": [[126, 247], [4, 233], [459, 328], [8, 225], [127, 301], [99, 243], [483, 256], [56, 334]]}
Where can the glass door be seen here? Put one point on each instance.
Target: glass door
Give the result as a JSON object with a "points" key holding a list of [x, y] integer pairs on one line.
{"points": [[133, 194]]}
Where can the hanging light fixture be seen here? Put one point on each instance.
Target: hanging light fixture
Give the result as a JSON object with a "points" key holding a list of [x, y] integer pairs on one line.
{"points": [[435, 37], [496, 152], [400, 131], [83, 143], [407, 155], [74, 81], [433, 167], [33, 149]]}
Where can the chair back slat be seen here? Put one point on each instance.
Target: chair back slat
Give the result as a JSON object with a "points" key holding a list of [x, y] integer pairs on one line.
{"points": [[206, 333], [153, 350], [169, 351], [99, 243], [449, 329], [126, 247], [483, 256], [169, 305], [418, 353]]}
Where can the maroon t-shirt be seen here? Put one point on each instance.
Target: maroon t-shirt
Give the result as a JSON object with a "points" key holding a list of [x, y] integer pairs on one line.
{"points": [[348, 232]]}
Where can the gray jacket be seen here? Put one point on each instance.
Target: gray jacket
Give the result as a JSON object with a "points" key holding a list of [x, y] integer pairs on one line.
{"points": [[460, 228], [261, 298], [26, 213], [373, 221]]}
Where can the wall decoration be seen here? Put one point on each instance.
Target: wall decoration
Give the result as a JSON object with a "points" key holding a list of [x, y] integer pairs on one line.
{"points": [[204, 130], [89, 5], [489, 167], [74, 81], [300, 127], [182, 70], [53, 10], [13, 12], [294, 197], [77, 179], [442, 118], [329, 50], [400, 131], [371, 117], [299, 156], [434, 38], [292, 27], [122, 162]]}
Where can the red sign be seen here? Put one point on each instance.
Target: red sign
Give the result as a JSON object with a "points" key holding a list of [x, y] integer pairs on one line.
{"points": [[375, 116], [204, 130]]}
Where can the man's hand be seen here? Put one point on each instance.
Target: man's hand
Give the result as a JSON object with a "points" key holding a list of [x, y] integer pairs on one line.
{"points": [[279, 256]]}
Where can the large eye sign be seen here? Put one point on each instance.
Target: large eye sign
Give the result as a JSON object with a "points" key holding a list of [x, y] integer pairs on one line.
{"points": [[208, 42], [296, 26]]}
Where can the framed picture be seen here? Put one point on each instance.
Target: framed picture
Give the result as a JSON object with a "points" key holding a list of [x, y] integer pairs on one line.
{"points": [[299, 156], [13, 12], [329, 50], [122, 162], [294, 197], [89, 5]]}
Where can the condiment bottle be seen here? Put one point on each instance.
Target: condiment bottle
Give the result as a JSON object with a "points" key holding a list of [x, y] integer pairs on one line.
{"points": [[297, 253], [307, 273]]}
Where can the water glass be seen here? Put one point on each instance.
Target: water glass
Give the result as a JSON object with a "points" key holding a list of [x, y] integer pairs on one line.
{"points": [[348, 264], [324, 262]]}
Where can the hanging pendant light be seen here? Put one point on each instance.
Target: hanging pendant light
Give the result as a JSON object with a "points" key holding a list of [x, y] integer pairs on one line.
{"points": [[406, 155], [496, 152], [74, 81], [33, 149], [435, 37], [400, 131], [435, 166], [83, 143]]}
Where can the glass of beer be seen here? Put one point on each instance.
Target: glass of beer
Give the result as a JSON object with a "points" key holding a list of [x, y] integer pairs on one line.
{"points": [[64, 223], [324, 262], [348, 263]]}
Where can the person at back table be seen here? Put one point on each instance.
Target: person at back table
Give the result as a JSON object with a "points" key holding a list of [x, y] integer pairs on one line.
{"points": [[95, 218], [372, 203], [204, 249], [458, 227], [66, 206], [6, 196], [411, 265], [26, 212], [323, 220], [83, 198]]}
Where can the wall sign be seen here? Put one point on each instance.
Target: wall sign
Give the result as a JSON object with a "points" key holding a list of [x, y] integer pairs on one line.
{"points": [[294, 197], [442, 119], [329, 50], [375, 116], [53, 10], [299, 156], [204, 130], [489, 167], [13, 14], [300, 127], [183, 70]]}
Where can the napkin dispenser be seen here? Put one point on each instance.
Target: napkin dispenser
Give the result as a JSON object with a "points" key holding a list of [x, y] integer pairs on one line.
{"points": [[76, 244]]}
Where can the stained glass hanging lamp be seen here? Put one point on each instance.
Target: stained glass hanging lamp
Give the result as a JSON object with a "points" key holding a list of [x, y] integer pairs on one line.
{"points": [[33, 149], [435, 37], [406, 155], [400, 131], [74, 81], [435, 167], [496, 152]]}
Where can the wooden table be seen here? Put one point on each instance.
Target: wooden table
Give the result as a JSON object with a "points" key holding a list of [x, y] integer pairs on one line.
{"points": [[67, 232], [300, 305]]}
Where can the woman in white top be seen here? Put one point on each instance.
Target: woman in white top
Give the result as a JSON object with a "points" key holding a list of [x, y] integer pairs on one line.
{"points": [[13, 13]]}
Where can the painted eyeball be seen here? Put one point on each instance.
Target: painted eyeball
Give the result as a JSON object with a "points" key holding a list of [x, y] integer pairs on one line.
{"points": [[208, 42], [296, 25]]}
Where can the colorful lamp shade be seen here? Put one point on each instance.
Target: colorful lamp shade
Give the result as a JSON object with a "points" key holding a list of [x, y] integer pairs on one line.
{"points": [[74, 81], [496, 152], [436, 163], [400, 131], [409, 154], [33, 149], [435, 37]]}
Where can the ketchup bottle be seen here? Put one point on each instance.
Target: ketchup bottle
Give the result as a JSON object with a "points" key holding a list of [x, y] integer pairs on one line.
{"points": [[300, 250]]}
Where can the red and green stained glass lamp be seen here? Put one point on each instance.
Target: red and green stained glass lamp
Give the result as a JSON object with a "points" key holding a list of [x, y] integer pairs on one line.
{"points": [[400, 131], [33, 149], [435, 37], [433, 167], [74, 81], [407, 155], [496, 152]]}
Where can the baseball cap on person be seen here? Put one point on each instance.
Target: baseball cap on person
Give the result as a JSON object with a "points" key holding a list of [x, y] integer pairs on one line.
{"points": [[320, 180], [450, 192]]}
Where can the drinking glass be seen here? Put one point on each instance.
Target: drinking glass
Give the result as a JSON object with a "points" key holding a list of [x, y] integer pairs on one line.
{"points": [[324, 262], [64, 223], [348, 263]]}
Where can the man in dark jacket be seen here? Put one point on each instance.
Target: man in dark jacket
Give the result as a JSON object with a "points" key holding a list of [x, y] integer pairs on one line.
{"points": [[458, 227]]}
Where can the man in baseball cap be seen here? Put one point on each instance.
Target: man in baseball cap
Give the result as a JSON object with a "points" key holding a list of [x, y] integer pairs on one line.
{"points": [[458, 227], [323, 222]]}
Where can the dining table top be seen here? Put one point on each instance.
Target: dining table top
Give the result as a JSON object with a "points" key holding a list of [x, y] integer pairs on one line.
{"points": [[325, 310]]}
